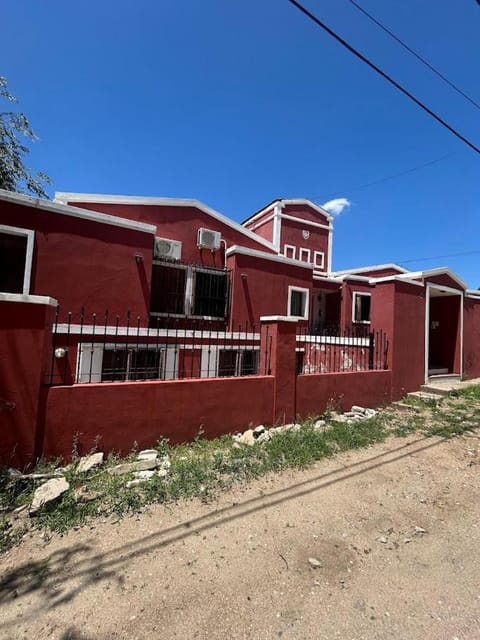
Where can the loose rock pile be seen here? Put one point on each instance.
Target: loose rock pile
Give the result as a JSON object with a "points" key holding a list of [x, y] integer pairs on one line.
{"points": [[262, 434]]}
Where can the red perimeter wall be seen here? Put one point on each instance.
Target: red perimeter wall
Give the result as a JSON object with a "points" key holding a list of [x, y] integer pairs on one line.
{"points": [[124, 413], [316, 392]]}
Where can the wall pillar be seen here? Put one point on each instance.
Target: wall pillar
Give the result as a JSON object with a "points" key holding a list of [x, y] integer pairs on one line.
{"points": [[277, 358]]}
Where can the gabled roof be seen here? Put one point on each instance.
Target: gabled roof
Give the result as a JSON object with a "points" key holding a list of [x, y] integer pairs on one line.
{"points": [[439, 271], [286, 201], [61, 196], [376, 267], [75, 212]]}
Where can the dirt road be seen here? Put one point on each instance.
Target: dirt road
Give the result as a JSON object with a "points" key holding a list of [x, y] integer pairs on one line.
{"points": [[395, 529]]}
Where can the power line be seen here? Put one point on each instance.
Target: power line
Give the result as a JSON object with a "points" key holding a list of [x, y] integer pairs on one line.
{"points": [[386, 178], [414, 53], [447, 255], [384, 75]]}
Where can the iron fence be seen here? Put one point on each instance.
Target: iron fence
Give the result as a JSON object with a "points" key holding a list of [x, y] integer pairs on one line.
{"points": [[107, 347], [348, 349]]}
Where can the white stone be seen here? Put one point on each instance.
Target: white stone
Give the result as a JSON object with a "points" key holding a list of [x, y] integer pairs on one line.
{"points": [[162, 473], [148, 454], [134, 483], [370, 413], [165, 463], [357, 409], [314, 563], [48, 492], [320, 424], [89, 462], [144, 475], [259, 430]]}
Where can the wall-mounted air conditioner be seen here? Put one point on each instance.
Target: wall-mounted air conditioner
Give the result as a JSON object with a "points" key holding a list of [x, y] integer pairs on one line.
{"points": [[208, 239], [169, 249]]}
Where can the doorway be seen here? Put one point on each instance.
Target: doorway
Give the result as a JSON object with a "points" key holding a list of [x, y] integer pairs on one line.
{"points": [[444, 332]]}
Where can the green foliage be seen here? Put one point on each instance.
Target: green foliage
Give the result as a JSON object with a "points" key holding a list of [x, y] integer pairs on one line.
{"points": [[15, 129]]}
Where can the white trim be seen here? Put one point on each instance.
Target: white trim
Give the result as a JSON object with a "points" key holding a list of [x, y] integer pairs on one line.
{"points": [[309, 203], [307, 301], [330, 250], [435, 272], [473, 293], [75, 212], [262, 222], [277, 227], [353, 278], [254, 253], [184, 334], [286, 216], [30, 235], [315, 263], [318, 275], [289, 246], [28, 299], [262, 212], [335, 340], [308, 253], [396, 278], [166, 202], [354, 297], [376, 267], [279, 319]]}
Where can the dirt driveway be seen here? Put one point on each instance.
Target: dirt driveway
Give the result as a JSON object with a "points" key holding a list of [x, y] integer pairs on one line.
{"points": [[395, 529]]}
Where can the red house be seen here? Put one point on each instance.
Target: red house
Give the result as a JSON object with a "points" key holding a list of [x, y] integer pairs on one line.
{"points": [[132, 271]]}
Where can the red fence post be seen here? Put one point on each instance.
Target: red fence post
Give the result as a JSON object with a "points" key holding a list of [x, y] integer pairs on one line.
{"points": [[277, 358]]}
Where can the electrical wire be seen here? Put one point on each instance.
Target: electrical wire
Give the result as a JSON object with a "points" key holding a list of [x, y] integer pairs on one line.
{"points": [[447, 255], [386, 178], [384, 75], [415, 54]]}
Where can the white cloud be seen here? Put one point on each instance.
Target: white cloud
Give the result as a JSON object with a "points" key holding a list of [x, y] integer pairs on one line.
{"points": [[336, 206]]}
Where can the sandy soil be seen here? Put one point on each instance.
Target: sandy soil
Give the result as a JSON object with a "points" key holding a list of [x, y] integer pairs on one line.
{"points": [[239, 567]]}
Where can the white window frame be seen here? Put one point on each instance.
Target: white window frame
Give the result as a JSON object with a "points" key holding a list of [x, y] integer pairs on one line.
{"points": [[319, 263], [30, 235], [306, 305], [354, 304], [304, 251], [292, 248]]}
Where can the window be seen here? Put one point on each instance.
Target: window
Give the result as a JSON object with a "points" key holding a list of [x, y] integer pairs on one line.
{"points": [[305, 255], [298, 302], [181, 290], [319, 259], [168, 289], [16, 249], [210, 294], [361, 307], [131, 364], [238, 363], [290, 251]]}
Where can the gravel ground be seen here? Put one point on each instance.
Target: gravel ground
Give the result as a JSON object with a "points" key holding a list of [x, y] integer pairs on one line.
{"points": [[394, 529]]}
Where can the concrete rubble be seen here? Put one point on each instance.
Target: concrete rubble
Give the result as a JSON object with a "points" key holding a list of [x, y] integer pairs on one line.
{"points": [[260, 434], [48, 492], [89, 462]]}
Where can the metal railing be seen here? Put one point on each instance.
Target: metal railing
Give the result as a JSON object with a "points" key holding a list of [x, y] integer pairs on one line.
{"points": [[107, 347], [347, 349]]}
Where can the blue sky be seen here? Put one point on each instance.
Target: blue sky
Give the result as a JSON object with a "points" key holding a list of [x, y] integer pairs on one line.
{"points": [[238, 103]]}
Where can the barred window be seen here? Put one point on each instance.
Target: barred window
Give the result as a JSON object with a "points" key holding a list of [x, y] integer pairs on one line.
{"points": [[210, 295], [168, 289]]}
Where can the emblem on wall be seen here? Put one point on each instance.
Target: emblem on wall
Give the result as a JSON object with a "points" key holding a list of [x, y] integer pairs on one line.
{"points": [[306, 234]]}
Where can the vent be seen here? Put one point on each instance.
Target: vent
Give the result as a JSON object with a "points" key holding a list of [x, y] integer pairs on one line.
{"points": [[207, 239], [164, 248]]}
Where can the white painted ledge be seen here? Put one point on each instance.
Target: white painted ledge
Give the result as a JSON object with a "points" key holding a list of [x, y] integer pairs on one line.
{"points": [[279, 319], [20, 297]]}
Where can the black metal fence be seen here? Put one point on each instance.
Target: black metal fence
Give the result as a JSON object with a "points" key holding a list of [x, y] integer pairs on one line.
{"points": [[107, 347], [348, 349]]}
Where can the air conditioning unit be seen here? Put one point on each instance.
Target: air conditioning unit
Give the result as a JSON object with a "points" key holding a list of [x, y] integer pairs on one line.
{"points": [[208, 239], [165, 248]]}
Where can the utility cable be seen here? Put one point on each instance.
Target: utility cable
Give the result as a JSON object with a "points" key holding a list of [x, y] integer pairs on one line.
{"points": [[384, 75], [415, 54]]}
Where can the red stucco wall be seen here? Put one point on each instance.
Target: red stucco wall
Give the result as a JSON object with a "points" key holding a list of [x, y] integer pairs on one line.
{"points": [[341, 390], [181, 223], [25, 331], [142, 412], [264, 290], [291, 234], [79, 262], [471, 337]]}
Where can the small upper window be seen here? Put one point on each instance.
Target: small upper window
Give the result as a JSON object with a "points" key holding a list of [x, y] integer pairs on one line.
{"points": [[319, 259], [305, 255], [298, 302], [289, 251], [16, 247], [361, 307]]}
